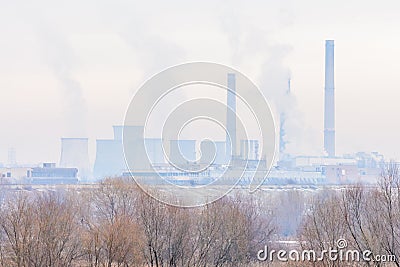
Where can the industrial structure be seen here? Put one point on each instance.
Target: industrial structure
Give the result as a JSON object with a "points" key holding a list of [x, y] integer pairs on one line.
{"points": [[249, 149], [44, 174], [182, 151], [109, 156], [155, 150], [329, 112], [75, 154], [231, 117], [144, 155], [49, 174]]}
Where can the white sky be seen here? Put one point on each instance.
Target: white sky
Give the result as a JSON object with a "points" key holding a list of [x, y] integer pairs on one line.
{"points": [[70, 68]]}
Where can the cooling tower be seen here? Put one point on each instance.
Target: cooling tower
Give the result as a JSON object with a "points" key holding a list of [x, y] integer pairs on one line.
{"points": [[208, 152], [182, 151], [213, 150], [220, 158], [154, 150], [125, 151], [109, 159], [231, 117], [134, 148], [329, 113], [118, 132], [74, 154]]}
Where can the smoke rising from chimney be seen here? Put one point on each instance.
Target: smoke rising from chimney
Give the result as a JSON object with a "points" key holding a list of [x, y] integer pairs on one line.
{"points": [[253, 47], [59, 57]]}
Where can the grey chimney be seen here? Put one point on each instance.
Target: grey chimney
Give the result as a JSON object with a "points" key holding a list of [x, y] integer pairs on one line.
{"points": [[329, 114], [231, 117]]}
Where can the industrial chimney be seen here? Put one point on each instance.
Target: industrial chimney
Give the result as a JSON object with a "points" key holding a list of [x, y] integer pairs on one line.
{"points": [[231, 117], [329, 114]]}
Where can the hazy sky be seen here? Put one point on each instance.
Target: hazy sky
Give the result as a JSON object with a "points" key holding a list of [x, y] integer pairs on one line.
{"points": [[70, 68]]}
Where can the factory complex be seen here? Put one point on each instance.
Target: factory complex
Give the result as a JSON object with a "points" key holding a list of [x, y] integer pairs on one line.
{"points": [[179, 162]]}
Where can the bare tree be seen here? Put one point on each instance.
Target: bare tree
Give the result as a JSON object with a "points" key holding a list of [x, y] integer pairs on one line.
{"points": [[384, 214], [17, 230], [323, 225], [230, 232], [39, 230], [166, 232], [112, 236]]}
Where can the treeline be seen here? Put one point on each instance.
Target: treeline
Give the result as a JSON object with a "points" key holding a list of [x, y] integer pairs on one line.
{"points": [[368, 218], [117, 224]]}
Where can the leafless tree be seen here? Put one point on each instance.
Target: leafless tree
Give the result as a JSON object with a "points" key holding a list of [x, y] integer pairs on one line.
{"points": [[166, 232], [39, 230], [367, 217], [384, 212], [16, 230], [111, 236], [323, 225]]}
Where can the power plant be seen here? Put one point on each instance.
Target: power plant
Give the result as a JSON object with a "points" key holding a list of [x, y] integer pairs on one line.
{"points": [[144, 155]]}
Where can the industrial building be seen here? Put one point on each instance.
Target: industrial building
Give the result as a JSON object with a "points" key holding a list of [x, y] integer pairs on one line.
{"points": [[49, 174], [143, 156], [328, 169], [46, 174], [14, 174], [249, 149]]}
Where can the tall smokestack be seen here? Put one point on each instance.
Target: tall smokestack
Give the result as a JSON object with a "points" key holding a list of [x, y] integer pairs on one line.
{"points": [[329, 115], [231, 117]]}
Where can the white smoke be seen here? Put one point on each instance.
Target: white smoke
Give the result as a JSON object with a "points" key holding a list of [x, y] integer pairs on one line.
{"points": [[59, 56], [152, 52], [274, 82], [253, 47]]}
